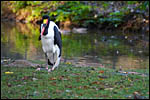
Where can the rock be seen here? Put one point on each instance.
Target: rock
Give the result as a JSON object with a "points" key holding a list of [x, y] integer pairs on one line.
{"points": [[23, 63], [79, 30], [65, 32]]}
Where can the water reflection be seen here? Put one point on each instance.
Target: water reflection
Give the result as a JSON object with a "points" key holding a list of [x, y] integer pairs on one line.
{"points": [[20, 41]]}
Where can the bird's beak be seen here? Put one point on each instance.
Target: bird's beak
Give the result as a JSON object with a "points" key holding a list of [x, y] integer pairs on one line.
{"points": [[45, 22]]}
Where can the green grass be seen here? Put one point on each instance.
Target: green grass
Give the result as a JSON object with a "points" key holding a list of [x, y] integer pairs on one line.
{"points": [[71, 82]]}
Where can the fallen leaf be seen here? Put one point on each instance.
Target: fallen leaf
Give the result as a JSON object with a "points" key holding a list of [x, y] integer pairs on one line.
{"points": [[52, 78], [9, 72], [102, 76], [101, 71], [68, 86], [9, 85], [108, 89], [53, 83], [75, 74], [25, 78], [79, 87], [101, 79], [95, 82], [94, 87], [129, 79], [85, 87], [68, 63], [64, 78], [19, 85], [34, 79], [68, 90], [58, 91]]}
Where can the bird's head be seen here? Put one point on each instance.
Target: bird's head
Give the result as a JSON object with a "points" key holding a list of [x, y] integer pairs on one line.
{"points": [[45, 22]]}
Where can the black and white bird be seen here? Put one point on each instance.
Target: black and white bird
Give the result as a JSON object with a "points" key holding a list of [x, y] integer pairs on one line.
{"points": [[51, 42]]}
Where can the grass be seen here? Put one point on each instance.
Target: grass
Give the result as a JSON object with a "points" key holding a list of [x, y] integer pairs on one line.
{"points": [[69, 82]]}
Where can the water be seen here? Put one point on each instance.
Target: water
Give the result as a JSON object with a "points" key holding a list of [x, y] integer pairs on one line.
{"points": [[126, 51]]}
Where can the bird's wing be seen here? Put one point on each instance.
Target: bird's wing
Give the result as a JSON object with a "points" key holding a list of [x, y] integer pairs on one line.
{"points": [[57, 38]]}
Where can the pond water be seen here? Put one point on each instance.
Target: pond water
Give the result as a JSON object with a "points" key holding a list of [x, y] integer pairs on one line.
{"points": [[104, 49]]}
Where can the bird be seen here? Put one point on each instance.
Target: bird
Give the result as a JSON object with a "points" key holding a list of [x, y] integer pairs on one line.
{"points": [[51, 40]]}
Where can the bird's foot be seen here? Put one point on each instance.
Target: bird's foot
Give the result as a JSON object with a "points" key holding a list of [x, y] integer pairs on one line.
{"points": [[38, 69], [49, 70], [46, 68], [53, 68]]}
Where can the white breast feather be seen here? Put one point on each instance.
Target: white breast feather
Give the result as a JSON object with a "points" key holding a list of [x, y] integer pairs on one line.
{"points": [[48, 40]]}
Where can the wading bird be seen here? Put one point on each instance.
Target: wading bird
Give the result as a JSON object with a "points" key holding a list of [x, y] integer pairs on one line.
{"points": [[50, 37]]}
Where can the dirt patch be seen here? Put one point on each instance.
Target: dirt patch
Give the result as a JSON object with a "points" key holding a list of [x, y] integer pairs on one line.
{"points": [[21, 63]]}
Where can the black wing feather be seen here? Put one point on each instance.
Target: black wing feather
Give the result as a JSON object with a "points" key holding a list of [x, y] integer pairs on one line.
{"points": [[57, 38], [40, 34]]}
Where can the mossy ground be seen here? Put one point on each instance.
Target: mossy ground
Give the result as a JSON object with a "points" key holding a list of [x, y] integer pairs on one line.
{"points": [[71, 82]]}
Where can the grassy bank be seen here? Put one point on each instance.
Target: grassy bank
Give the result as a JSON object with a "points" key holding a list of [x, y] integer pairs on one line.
{"points": [[72, 82]]}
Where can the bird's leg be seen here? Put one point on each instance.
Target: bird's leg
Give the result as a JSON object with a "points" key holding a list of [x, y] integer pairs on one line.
{"points": [[53, 66], [49, 70], [46, 67], [56, 64], [56, 61], [47, 62]]}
